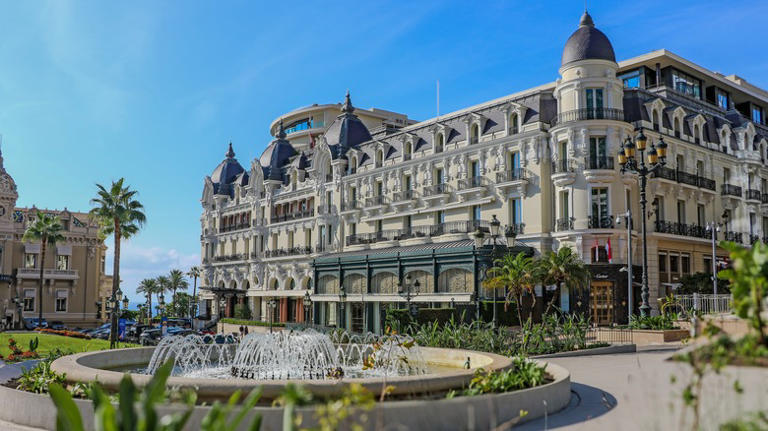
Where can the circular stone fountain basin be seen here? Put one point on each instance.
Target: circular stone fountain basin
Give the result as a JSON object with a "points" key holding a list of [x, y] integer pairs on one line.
{"points": [[99, 366]]}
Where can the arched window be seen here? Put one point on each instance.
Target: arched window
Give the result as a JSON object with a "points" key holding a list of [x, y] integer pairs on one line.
{"points": [[655, 120], [677, 127], [379, 158], [273, 284], [290, 284], [474, 134], [513, 125], [439, 143], [353, 165], [407, 151], [696, 137]]}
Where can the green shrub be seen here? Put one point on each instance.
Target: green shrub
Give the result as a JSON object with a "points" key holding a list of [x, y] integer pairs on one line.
{"points": [[398, 320], [242, 312], [657, 323], [39, 378], [523, 374], [250, 322]]}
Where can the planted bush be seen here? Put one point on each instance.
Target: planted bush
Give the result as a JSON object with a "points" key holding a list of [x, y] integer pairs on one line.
{"points": [[658, 323], [523, 374]]}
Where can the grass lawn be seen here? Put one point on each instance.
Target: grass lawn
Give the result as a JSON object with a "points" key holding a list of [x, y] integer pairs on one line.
{"points": [[49, 342]]}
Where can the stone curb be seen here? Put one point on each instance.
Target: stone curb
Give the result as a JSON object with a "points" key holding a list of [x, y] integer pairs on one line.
{"points": [[607, 350]]}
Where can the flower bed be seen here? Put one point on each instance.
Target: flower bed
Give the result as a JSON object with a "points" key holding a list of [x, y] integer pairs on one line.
{"points": [[64, 332]]}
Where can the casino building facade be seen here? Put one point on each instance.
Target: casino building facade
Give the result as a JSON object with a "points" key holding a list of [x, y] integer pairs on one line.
{"points": [[365, 209]]}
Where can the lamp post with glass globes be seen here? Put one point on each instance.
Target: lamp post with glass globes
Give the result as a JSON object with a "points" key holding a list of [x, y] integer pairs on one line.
{"points": [[406, 289], [342, 304], [495, 230], [307, 303], [630, 291], [713, 228], [114, 304], [656, 158], [272, 304]]}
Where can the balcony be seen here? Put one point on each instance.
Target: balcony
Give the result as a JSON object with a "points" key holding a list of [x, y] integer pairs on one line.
{"points": [[304, 125], [50, 274], [518, 174], [563, 224], [513, 181], [277, 218], [376, 201], [754, 195], [736, 237], [291, 251], [514, 230], [437, 193], [472, 187], [456, 227], [597, 222], [675, 228], [351, 205], [234, 227], [404, 196], [563, 172], [764, 198], [683, 177], [588, 114], [731, 190], [600, 163], [229, 257]]}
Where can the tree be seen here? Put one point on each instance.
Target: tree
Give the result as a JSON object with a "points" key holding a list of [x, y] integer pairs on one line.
{"points": [[120, 215], [148, 287], [194, 272], [700, 282], [177, 281], [517, 275], [564, 267], [748, 277], [162, 287], [47, 229], [180, 304]]}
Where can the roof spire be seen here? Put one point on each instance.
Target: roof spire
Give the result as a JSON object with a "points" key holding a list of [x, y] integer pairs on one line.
{"points": [[586, 19], [347, 106], [230, 152], [281, 131]]}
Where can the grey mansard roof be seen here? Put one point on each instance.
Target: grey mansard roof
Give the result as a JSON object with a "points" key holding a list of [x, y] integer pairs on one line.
{"points": [[226, 173], [587, 43], [346, 131], [277, 154]]}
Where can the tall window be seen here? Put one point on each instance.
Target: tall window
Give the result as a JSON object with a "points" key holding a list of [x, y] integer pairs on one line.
{"points": [[379, 158], [681, 212], [406, 182], [680, 159], [563, 155], [290, 239], [752, 223], [701, 215], [513, 128], [30, 260], [696, 136], [29, 299], [379, 226], [565, 202], [474, 136], [517, 211], [439, 143], [726, 175], [379, 188], [353, 228], [655, 120], [757, 114], [440, 217], [658, 204], [699, 168], [765, 227], [721, 97], [514, 161], [438, 176], [476, 216], [594, 99], [61, 300], [62, 262], [676, 127], [686, 84], [407, 151], [475, 168], [600, 203], [407, 222], [598, 157]]}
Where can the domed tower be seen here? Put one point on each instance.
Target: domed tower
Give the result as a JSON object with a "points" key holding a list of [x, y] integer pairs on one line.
{"points": [[225, 173], [8, 196]]}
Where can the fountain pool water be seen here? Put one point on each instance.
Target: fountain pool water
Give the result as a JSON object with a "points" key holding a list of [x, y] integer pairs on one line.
{"points": [[307, 354]]}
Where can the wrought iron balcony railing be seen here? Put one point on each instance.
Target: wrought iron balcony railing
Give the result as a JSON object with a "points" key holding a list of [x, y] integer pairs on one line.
{"points": [[403, 196], [588, 114], [436, 189], [350, 205], [683, 229], [472, 182], [375, 201], [731, 190], [600, 163], [291, 251], [565, 223], [737, 237], [753, 195], [597, 222], [563, 166], [453, 227], [512, 175]]}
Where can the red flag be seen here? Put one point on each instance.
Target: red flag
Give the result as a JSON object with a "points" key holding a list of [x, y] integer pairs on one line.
{"points": [[608, 247]]}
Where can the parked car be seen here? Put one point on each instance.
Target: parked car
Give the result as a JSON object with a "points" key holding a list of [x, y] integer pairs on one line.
{"points": [[30, 323], [150, 337], [102, 334], [57, 325]]}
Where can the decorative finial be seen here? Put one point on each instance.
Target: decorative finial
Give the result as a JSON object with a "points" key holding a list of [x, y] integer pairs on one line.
{"points": [[347, 106], [281, 131], [230, 152], [586, 20]]}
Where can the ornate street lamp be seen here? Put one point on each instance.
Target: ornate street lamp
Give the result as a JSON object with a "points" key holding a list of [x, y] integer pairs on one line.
{"points": [[342, 304], [404, 289], [495, 234], [114, 303], [272, 306], [307, 303], [655, 159], [126, 302], [713, 228]]}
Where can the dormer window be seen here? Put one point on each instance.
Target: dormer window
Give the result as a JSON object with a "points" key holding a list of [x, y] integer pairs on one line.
{"points": [[407, 151], [379, 158], [353, 165], [696, 136], [655, 120], [439, 144], [677, 127], [513, 124], [474, 134]]}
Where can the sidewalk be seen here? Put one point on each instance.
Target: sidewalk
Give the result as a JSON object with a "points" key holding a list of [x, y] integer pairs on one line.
{"points": [[634, 392]]}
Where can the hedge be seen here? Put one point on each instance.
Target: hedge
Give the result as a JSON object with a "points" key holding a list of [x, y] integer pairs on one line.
{"points": [[249, 322]]}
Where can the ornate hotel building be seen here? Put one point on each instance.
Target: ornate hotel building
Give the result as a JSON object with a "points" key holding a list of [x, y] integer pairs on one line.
{"points": [[74, 268], [353, 208]]}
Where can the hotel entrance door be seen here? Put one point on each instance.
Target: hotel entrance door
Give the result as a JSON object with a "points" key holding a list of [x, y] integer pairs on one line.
{"points": [[601, 302]]}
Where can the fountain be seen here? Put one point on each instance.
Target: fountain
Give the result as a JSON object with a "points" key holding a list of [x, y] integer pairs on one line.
{"points": [[285, 355]]}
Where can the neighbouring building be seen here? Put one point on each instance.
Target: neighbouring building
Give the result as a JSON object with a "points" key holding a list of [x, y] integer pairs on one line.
{"points": [[74, 268], [348, 212]]}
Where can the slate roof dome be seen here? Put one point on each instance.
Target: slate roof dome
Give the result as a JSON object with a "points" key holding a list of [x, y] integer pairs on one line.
{"points": [[276, 155], [227, 170], [587, 43], [347, 131]]}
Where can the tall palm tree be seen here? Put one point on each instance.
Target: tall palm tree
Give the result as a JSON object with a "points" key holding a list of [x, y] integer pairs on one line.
{"points": [[162, 287], [177, 281], [120, 215], [194, 272], [564, 267], [47, 229], [148, 287], [518, 275]]}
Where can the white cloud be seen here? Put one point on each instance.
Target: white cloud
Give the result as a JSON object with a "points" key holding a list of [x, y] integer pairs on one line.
{"points": [[138, 263]]}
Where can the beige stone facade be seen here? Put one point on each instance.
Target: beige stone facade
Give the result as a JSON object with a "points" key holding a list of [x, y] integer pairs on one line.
{"points": [[74, 268], [542, 161]]}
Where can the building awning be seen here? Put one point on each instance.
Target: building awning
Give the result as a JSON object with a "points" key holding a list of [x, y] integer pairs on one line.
{"points": [[467, 245]]}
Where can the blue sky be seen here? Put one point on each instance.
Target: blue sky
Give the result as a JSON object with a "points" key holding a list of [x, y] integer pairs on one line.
{"points": [[153, 91]]}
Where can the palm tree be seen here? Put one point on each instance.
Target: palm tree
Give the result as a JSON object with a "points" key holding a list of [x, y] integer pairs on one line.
{"points": [[121, 215], [564, 267], [194, 272], [47, 229], [177, 281], [148, 287], [517, 274]]}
